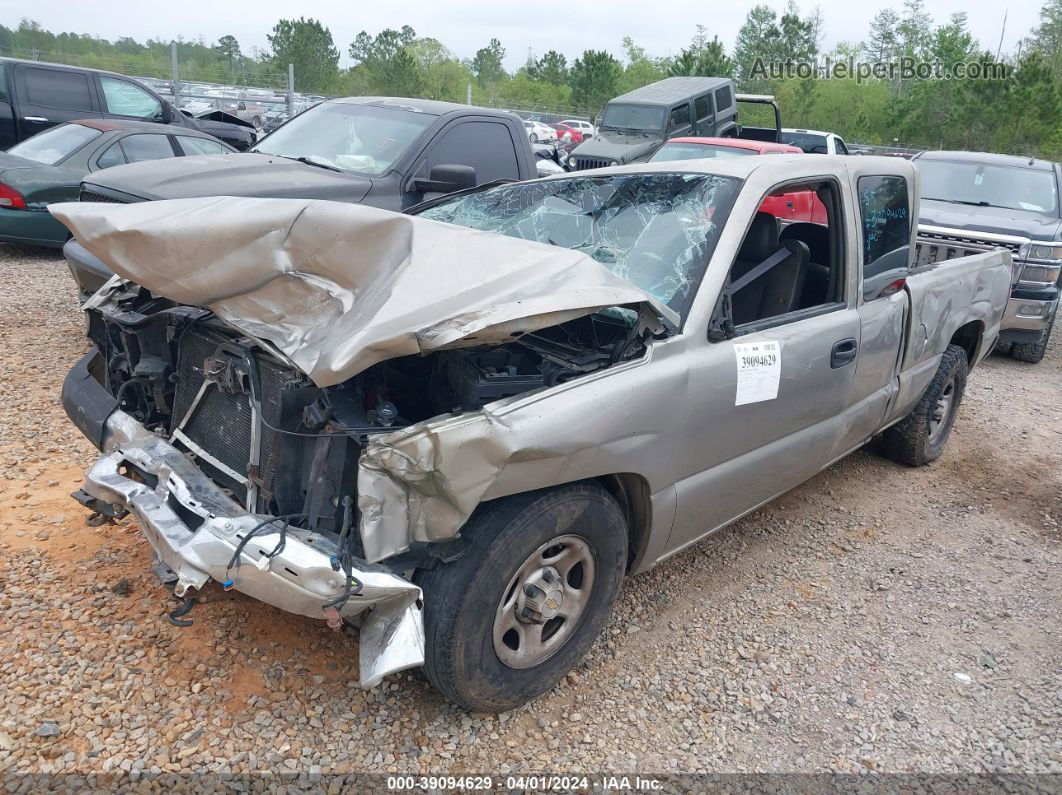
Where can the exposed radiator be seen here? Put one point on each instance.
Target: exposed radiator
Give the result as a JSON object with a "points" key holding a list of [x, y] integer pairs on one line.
{"points": [[221, 424]]}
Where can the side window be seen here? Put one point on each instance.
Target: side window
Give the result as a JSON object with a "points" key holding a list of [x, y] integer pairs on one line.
{"points": [[126, 99], [885, 214], [702, 107], [680, 116], [200, 146], [3, 85], [114, 156], [146, 146], [786, 263], [486, 146], [841, 148], [53, 88], [723, 98]]}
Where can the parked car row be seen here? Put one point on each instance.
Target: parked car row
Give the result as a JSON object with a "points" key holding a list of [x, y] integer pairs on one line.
{"points": [[35, 96], [374, 152], [49, 168]]}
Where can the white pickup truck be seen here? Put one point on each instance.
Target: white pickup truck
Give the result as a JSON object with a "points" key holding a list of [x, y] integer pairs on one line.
{"points": [[461, 428]]}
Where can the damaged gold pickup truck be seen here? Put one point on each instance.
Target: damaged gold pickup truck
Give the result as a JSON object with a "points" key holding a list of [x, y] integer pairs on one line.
{"points": [[461, 428]]}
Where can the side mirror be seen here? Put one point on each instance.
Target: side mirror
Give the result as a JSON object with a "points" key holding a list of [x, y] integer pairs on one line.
{"points": [[446, 178], [166, 114]]}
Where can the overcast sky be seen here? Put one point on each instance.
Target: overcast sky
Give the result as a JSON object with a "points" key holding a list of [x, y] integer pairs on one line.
{"points": [[662, 27]]}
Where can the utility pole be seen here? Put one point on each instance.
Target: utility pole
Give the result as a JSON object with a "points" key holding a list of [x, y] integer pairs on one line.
{"points": [[291, 90], [175, 80], [468, 95]]}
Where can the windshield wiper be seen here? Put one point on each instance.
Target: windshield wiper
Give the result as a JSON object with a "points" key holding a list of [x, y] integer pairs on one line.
{"points": [[981, 203], [303, 159], [311, 162]]}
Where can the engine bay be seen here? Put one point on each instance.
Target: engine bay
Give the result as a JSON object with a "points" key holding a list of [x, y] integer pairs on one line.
{"points": [[283, 446]]}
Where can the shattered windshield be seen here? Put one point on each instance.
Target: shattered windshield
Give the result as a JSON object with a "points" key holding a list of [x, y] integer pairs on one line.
{"points": [[656, 230], [347, 137]]}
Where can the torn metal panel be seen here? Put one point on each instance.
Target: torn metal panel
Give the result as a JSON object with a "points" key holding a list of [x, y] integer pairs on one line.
{"points": [[421, 483], [338, 287], [196, 530]]}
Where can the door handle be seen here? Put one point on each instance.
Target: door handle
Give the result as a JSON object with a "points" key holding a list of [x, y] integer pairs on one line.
{"points": [[33, 118], [844, 352]]}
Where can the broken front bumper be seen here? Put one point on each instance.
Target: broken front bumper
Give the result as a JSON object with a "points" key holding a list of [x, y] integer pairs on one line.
{"points": [[195, 529]]}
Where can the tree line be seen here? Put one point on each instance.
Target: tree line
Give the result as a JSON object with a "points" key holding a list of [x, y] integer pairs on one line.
{"points": [[1021, 113]]}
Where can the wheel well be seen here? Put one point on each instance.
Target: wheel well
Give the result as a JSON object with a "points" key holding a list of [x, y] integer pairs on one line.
{"points": [[632, 493], [968, 338]]}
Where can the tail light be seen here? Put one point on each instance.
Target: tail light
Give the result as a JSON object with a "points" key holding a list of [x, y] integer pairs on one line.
{"points": [[11, 198], [892, 287]]}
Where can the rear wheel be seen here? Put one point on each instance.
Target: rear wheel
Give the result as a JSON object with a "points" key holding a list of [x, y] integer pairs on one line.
{"points": [[507, 620], [919, 437]]}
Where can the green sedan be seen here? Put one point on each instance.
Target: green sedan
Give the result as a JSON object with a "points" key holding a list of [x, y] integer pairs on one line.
{"points": [[49, 167]]}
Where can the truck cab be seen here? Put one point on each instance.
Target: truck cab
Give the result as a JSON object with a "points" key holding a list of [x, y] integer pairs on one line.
{"points": [[634, 125]]}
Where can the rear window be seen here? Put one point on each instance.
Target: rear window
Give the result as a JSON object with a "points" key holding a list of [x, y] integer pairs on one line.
{"points": [[702, 107], [723, 97], [680, 116], [146, 146], [884, 211], [52, 88], [55, 145], [200, 146], [812, 144], [683, 151]]}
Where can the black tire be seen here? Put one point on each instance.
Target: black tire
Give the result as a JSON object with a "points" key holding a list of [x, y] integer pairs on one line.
{"points": [[1032, 352], [912, 440], [462, 598]]}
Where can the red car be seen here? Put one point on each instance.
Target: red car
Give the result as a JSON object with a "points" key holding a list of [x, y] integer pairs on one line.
{"points": [[797, 206], [576, 136]]}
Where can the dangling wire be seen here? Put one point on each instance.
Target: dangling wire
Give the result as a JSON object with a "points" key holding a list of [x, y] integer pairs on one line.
{"points": [[237, 555]]}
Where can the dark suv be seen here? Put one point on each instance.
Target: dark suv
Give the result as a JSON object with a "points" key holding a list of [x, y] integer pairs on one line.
{"points": [[634, 125], [35, 96]]}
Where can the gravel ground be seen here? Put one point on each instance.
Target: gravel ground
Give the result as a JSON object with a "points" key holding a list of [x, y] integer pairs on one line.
{"points": [[878, 618]]}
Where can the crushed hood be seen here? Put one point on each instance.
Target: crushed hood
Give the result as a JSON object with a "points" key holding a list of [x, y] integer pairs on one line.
{"points": [[338, 287]]}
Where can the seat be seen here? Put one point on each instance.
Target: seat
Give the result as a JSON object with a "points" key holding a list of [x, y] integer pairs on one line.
{"points": [[777, 291], [817, 282]]}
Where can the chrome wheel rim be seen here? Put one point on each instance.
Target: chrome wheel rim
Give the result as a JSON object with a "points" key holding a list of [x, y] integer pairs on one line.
{"points": [[938, 419], [544, 602]]}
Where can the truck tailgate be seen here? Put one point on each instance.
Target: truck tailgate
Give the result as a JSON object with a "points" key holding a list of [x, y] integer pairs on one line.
{"points": [[948, 294]]}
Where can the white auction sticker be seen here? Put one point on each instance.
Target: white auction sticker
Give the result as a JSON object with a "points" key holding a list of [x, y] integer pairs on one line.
{"points": [[759, 369]]}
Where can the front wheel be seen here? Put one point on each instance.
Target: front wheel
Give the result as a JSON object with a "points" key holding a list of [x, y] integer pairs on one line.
{"points": [[1032, 352], [534, 588], [919, 437]]}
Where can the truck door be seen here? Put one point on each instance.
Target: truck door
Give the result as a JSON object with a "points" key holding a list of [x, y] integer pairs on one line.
{"points": [[485, 145], [767, 407], [884, 214], [704, 123], [50, 95]]}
